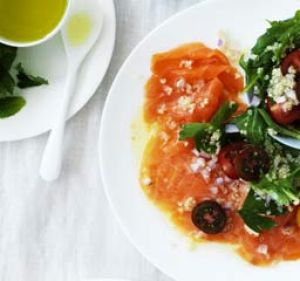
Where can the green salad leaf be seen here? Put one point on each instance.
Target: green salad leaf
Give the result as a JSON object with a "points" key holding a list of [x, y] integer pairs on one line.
{"points": [[256, 212], [251, 125], [255, 123], [270, 48], [284, 191], [224, 113], [285, 131], [9, 106], [26, 80], [208, 136], [190, 130]]}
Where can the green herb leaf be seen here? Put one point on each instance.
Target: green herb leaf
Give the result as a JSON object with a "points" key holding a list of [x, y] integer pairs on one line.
{"points": [[256, 222], [7, 56], [224, 113], [7, 83], [255, 211], [251, 125], [27, 80], [280, 38], [10, 106], [208, 136], [285, 131], [208, 140], [190, 130], [284, 191]]}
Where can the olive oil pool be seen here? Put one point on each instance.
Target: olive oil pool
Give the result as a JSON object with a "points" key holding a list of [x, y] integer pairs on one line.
{"points": [[29, 20]]}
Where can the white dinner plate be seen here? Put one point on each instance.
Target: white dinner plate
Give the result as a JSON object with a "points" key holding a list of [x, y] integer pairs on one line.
{"points": [[48, 60], [147, 228]]}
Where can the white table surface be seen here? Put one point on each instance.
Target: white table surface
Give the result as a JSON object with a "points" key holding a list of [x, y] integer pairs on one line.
{"points": [[65, 230]]}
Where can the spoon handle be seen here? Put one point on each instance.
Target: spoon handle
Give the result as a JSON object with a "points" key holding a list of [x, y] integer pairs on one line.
{"points": [[52, 157]]}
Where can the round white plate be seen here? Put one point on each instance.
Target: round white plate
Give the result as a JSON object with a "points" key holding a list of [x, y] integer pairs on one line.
{"points": [[48, 60], [145, 225]]}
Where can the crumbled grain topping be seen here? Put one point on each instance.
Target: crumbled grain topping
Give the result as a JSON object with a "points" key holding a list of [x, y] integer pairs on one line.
{"points": [[168, 90], [186, 205], [282, 88]]}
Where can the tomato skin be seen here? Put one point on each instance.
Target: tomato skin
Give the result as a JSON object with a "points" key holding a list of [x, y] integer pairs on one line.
{"points": [[292, 59], [252, 163], [283, 117], [227, 156]]}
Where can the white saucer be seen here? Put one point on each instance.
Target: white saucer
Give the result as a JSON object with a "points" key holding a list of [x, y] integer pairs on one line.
{"points": [[48, 60]]}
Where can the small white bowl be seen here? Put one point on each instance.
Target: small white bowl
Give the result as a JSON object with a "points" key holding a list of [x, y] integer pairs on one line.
{"points": [[46, 37]]}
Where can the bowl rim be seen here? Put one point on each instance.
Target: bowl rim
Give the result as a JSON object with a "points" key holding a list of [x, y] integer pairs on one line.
{"points": [[44, 39]]}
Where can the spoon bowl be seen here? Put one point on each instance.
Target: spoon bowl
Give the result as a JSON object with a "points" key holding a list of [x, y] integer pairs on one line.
{"points": [[79, 34]]}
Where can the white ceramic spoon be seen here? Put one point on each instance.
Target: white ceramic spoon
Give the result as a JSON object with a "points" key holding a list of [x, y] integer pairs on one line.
{"points": [[76, 52]]}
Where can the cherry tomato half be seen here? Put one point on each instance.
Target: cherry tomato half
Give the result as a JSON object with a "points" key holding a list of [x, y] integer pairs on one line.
{"points": [[252, 163], [280, 116], [227, 156], [292, 59]]}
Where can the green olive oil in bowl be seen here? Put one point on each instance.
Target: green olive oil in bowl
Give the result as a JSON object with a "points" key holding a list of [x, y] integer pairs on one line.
{"points": [[26, 21]]}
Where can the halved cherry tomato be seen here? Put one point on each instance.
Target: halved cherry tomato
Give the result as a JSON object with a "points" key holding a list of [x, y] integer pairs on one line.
{"points": [[292, 59], [227, 156], [252, 163], [281, 116]]}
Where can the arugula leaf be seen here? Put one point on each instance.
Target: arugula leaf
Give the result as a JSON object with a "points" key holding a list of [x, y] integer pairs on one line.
{"points": [[10, 106], [7, 56], [251, 125], [270, 48], [27, 80], [224, 113], [208, 136], [190, 130], [286, 131], [7, 83], [255, 211]]}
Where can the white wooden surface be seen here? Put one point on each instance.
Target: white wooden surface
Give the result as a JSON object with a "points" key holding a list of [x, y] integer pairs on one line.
{"points": [[65, 231]]}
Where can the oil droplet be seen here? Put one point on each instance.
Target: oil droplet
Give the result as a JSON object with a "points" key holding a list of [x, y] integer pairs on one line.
{"points": [[79, 28]]}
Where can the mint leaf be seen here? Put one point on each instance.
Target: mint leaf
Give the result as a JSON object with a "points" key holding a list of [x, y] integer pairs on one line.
{"points": [[7, 56], [7, 83], [10, 106], [26, 80]]}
